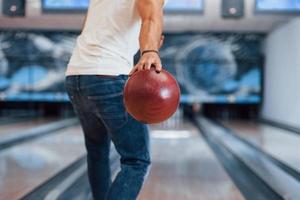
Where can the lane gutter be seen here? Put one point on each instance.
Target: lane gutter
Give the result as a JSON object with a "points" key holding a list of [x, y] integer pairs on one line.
{"points": [[280, 181], [248, 182]]}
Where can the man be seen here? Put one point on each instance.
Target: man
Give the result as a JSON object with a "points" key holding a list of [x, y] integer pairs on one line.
{"points": [[101, 62]]}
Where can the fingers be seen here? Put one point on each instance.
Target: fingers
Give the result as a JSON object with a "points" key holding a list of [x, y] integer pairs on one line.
{"points": [[133, 70], [137, 67], [140, 66], [158, 67], [146, 62], [148, 65]]}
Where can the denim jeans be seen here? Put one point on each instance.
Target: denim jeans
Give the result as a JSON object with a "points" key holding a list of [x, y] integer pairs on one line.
{"points": [[98, 102]]}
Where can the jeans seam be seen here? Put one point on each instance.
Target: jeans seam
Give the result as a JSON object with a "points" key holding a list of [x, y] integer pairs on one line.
{"points": [[98, 97], [110, 82]]}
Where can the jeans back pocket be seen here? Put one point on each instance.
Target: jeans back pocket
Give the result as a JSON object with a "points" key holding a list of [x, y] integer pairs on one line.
{"points": [[107, 100]]}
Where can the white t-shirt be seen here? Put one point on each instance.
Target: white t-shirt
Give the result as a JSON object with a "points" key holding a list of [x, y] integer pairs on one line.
{"points": [[108, 41]]}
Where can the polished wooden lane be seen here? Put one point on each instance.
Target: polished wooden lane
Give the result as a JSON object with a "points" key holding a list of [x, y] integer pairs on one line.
{"points": [[7, 129], [184, 168], [279, 143], [24, 167]]}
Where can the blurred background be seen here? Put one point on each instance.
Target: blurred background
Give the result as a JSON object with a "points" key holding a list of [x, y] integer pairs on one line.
{"points": [[234, 136]]}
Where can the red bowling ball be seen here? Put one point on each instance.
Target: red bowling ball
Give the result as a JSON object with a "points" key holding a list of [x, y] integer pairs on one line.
{"points": [[151, 97]]}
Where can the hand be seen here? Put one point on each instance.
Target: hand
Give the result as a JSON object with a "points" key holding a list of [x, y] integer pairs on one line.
{"points": [[148, 60]]}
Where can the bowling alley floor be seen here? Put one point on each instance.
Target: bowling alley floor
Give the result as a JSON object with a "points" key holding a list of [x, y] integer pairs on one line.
{"points": [[279, 143], [190, 161], [184, 167], [26, 165]]}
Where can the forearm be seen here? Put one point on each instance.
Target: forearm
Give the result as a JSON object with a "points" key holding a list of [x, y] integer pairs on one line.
{"points": [[151, 13], [150, 34]]}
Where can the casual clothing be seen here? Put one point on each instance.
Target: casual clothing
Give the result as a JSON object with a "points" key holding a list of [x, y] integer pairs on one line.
{"points": [[98, 102], [109, 39], [107, 46]]}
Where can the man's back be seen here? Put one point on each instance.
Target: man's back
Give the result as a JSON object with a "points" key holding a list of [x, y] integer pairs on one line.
{"points": [[109, 39]]}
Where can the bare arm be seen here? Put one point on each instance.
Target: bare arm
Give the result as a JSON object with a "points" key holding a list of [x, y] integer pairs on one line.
{"points": [[151, 13]]}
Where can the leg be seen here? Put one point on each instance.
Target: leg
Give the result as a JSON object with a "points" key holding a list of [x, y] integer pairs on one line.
{"points": [[97, 157], [97, 142], [132, 143], [130, 137]]}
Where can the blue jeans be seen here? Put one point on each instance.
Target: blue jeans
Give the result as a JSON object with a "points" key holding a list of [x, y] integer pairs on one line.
{"points": [[98, 102]]}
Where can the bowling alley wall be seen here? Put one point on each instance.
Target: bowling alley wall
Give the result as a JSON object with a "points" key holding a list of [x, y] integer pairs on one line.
{"points": [[282, 75], [210, 67], [216, 60]]}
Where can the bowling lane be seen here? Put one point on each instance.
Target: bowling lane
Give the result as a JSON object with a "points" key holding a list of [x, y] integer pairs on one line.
{"points": [[184, 167], [12, 128], [24, 167], [279, 143]]}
